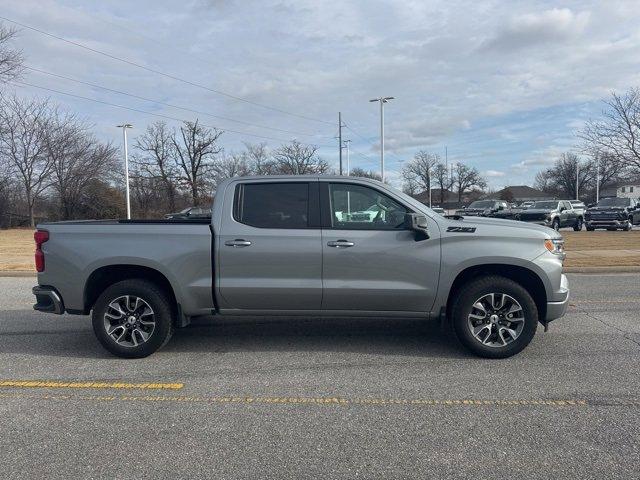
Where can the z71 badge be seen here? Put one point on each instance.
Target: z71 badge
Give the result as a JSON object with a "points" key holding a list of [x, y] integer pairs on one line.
{"points": [[461, 229]]}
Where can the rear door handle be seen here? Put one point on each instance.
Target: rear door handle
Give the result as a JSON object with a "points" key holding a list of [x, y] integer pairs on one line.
{"points": [[340, 244], [237, 243]]}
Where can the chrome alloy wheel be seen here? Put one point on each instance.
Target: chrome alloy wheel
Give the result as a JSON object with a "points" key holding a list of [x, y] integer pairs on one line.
{"points": [[129, 321], [496, 319]]}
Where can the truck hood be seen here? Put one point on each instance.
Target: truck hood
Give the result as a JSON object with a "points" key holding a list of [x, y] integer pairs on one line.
{"points": [[537, 210], [504, 223]]}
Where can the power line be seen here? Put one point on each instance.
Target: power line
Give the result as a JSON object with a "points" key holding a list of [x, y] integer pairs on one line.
{"points": [[168, 117], [371, 143], [120, 92], [158, 72]]}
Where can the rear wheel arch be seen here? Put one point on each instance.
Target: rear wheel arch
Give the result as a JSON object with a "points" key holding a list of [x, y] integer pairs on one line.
{"points": [[525, 277], [103, 277]]}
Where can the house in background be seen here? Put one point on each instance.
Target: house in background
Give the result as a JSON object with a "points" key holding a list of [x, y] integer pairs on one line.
{"points": [[520, 193], [626, 189]]}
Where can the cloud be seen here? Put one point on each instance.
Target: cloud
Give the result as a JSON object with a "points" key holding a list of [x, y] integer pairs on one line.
{"points": [[550, 26], [493, 173]]}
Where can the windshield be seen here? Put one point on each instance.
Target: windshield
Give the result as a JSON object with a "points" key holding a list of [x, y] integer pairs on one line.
{"points": [[614, 202], [545, 205], [482, 204]]}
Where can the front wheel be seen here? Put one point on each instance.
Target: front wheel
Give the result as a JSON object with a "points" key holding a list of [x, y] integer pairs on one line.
{"points": [[494, 317], [578, 226], [133, 318], [590, 229], [555, 224], [628, 226]]}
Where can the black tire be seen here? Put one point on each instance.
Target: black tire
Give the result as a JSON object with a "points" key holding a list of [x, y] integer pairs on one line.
{"points": [[628, 226], [590, 229], [162, 310], [555, 224], [578, 226], [475, 289]]}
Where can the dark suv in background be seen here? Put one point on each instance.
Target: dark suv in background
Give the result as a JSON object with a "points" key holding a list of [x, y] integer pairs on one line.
{"points": [[553, 213], [482, 208], [613, 213]]}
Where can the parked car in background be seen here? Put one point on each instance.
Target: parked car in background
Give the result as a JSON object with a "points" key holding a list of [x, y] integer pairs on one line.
{"points": [[439, 210], [554, 214], [613, 213], [525, 205], [482, 208], [280, 245], [190, 212], [511, 212]]}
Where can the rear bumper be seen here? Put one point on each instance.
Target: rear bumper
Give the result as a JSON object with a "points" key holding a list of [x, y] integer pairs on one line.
{"points": [[558, 308], [48, 300]]}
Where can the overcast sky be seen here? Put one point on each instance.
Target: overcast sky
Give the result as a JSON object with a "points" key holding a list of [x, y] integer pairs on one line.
{"points": [[503, 85]]}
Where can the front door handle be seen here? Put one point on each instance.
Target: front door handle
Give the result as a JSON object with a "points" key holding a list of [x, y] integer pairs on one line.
{"points": [[340, 244], [237, 243]]}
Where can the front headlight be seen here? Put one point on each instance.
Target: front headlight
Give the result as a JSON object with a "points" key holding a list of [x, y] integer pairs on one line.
{"points": [[555, 245]]}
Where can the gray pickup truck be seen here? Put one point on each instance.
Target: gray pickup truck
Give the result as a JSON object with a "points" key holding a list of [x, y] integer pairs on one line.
{"points": [[291, 246]]}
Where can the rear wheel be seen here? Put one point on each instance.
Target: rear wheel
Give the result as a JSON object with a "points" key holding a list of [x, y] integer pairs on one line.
{"points": [[578, 226], [133, 318], [494, 317]]}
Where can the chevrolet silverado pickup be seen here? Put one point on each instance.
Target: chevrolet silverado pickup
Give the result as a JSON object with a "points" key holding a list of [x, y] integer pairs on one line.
{"points": [[553, 213], [613, 214], [290, 246]]}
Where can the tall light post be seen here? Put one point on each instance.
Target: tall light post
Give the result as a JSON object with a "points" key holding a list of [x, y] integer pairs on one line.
{"points": [[382, 101], [597, 178], [124, 127], [346, 145], [577, 178]]}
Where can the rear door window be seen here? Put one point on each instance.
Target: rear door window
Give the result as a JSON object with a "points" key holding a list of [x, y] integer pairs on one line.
{"points": [[273, 205]]}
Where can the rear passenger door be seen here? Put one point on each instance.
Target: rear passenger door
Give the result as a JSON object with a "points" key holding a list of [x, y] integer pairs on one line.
{"points": [[269, 251], [568, 216]]}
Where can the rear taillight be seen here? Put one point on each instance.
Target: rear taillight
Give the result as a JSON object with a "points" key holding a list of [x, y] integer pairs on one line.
{"points": [[40, 236]]}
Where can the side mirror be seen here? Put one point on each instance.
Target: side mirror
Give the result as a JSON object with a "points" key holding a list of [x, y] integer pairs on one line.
{"points": [[418, 223], [562, 209]]}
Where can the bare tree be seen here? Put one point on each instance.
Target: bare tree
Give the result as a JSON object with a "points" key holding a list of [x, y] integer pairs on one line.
{"points": [[418, 172], [230, 166], [361, 172], [560, 179], [618, 132], [195, 149], [154, 156], [11, 60], [77, 159], [297, 159], [23, 133], [443, 180], [258, 159], [465, 178]]}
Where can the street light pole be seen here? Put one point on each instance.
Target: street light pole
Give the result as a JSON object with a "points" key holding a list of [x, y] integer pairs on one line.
{"points": [[597, 178], [124, 127], [577, 178], [382, 101], [346, 145]]}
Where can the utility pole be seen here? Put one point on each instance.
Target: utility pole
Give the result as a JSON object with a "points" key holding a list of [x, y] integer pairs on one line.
{"points": [[340, 139], [382, 101], [124, 127]]}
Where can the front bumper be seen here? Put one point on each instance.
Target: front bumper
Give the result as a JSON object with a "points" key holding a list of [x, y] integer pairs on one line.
{"points": [[606, 223], [557, 309], [48, 300]]}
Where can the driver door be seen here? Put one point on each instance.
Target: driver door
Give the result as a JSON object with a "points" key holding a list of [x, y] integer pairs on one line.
{"points": [[370, 260]]}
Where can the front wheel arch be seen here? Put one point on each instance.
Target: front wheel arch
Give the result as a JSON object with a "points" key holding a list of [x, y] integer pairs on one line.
{"points": [[527, 278]]}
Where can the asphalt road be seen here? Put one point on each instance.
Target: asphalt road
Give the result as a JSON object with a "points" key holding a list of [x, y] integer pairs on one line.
{"points": [[296, 398]]}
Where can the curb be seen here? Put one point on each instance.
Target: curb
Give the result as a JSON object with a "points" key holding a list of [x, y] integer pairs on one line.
{"points": [[17, 274], [609, 269]]}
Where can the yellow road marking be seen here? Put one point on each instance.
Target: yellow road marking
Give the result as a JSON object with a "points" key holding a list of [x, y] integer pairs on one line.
{"points": [[107, 385], [329, 401]]}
